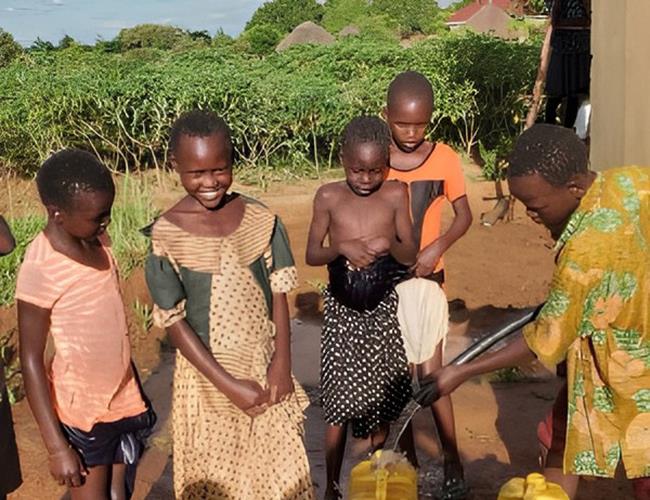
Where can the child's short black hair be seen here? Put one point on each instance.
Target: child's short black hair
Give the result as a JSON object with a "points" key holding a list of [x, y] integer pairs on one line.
{"points": [[556, 153], [410, 84], [69, 172], [198, 123], [366, 129]]}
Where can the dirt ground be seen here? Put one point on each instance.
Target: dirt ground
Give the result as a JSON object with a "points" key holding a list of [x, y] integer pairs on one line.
{"points": [[492, 273]]}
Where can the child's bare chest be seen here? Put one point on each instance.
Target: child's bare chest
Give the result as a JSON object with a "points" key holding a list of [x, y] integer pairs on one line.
{"points": [[358, 217]]}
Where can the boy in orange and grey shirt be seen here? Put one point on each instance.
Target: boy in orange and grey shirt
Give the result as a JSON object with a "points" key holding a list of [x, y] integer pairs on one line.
{"points": [[433, 173]]}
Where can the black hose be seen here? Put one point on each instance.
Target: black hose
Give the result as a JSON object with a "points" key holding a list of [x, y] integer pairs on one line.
{"points": [[428, 392]]}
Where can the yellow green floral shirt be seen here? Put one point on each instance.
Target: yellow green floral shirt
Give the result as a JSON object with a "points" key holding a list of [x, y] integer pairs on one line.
{"points": [[597, 316]]}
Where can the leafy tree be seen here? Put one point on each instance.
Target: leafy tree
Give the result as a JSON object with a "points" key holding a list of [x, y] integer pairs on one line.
{"points": [[9, 49], [66, 42], [107, 46], [285, 15], [341, 13], [41, 45], [410, 16], [200, 36], [262, 38], [221, 39], [153, 36]]}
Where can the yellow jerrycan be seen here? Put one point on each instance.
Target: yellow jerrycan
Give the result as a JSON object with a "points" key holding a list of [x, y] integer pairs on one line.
{"points": [[386, 475], [534, 487]]}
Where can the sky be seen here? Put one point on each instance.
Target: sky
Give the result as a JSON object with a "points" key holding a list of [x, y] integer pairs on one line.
{"points": [[88, 20]]}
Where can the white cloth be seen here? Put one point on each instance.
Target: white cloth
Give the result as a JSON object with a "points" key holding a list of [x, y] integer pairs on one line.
{"points": [[423, 316]]}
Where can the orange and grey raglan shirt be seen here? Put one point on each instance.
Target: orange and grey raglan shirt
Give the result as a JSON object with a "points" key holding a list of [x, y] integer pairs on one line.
{"points": [[438, 178]]}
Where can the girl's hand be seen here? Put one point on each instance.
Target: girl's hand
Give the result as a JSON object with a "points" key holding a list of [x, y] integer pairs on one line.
{"points": [[279, 380], [358, 252], [379, 244], [67, 468], [249, 397]]}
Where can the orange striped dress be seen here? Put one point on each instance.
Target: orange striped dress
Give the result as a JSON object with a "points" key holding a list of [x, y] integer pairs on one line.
{"points": [[222, 287]]}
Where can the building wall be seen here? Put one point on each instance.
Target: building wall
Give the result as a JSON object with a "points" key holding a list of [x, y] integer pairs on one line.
{"points": [[620, 83]]}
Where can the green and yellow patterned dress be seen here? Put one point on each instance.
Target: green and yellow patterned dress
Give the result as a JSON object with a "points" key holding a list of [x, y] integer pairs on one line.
{"points": [[597, 316], [223, 287]]}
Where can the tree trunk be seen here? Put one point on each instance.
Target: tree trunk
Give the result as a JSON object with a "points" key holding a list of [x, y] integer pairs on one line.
{"points": [[540, 81]]}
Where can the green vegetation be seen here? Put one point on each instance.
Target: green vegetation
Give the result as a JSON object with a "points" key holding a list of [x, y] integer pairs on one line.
{"points": [[286, 110], [285, 15], [9, 48], [152, 36], [24, 229], [132, 211]]}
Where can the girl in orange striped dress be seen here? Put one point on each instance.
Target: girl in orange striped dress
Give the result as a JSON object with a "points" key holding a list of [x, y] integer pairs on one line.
{"points": [[88, 403]]}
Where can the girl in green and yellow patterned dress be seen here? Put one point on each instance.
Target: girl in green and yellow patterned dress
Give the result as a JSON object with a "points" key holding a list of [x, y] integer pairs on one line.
{"points": [[219, 270]]}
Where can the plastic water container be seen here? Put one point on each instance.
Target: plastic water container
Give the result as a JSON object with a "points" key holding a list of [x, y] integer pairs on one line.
{"points": [[384, 476], [534, 487]]}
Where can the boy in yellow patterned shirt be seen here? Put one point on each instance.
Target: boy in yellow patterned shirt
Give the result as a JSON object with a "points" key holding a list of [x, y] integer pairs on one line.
{"points": [[597, 314]]}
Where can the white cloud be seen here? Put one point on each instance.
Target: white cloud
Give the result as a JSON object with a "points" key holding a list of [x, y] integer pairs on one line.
{"points": [[57, 2], [217, 15]]}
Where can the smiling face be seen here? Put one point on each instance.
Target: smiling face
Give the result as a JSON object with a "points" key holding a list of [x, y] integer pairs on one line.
{"points": [[88, 215], [204, 165], [545, 203], [408, 120], [365, 167]]}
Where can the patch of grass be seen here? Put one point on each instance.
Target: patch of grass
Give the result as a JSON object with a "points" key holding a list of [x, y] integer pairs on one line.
{"points": [[133, 209], [143, 321], [24, 230], [507, 375]]}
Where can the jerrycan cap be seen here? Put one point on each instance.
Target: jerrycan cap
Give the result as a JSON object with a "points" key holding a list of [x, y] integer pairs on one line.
{"points": [[536, 481]]}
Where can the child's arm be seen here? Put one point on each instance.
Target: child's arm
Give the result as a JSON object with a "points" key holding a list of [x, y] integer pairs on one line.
{"points": [[317, 254], [247, 395], [279, 371], [429, 256], [516, 353], [403, 246], [358, 252], [7, 242], [33, 327]]}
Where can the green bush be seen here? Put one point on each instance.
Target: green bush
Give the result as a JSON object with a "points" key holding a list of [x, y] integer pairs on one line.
{"points": [[261, 39], [410, 16], [9, 48], [150, 36], [285, 109], [24, 230], [341, 13], [285, 15]]}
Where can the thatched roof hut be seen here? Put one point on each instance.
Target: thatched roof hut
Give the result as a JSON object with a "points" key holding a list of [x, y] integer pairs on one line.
{"points": [[307, 32]]}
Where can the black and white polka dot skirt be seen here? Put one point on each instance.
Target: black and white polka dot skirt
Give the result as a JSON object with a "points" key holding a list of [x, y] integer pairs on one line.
{"points": [[364, 371]]}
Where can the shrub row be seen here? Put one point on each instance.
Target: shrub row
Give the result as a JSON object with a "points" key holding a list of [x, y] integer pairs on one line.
{"points": [[284, 109]]}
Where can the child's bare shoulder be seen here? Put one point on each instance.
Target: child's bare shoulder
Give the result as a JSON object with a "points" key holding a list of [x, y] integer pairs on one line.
{"points": [[330, 193], [394, 190]]}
